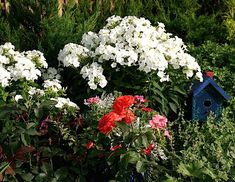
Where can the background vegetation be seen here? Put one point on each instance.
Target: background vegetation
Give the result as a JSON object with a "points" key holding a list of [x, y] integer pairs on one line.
{"points": [[207, 27]]}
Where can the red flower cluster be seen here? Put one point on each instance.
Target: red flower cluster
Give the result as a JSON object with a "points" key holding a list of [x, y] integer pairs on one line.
{"points": [[120, 112]]}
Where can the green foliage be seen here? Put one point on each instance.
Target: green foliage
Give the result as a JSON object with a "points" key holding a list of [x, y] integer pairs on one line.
{"points": [[206, 150], [219, 58]]}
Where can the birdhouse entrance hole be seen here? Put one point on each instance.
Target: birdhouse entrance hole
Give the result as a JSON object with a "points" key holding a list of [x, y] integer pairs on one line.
{"points": [[207, 103]]}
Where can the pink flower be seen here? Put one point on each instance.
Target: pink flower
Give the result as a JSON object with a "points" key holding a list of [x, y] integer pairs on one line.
{"points": [[92, 100], [158, 121], [116, 147], [167, 134], [140, 98]]}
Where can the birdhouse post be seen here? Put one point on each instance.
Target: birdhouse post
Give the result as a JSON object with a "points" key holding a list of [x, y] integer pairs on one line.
{"points": [[206, 97]]}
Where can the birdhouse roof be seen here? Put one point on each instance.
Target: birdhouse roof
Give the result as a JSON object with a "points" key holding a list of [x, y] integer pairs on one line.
{"points": [[199, 86]]}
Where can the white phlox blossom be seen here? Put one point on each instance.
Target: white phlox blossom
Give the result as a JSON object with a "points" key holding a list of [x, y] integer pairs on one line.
{"points": [[20, 65], [94, 74], [36, 91], [24, 68], [72, 54], [37, 58], [5, 77], [64, 102], [51, 73], [132, 41], [18, 97], [52, 84]]}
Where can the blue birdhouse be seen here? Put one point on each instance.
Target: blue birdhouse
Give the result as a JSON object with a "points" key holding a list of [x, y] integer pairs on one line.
{"points": [[206, 97]]}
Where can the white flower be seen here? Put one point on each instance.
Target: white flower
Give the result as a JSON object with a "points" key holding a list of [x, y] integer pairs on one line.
{"points": [[94, 74], [5, 77], [37, 58], [64, 102], [18, 97], [4, 60], [51, 73], [72, 54], [36, 91], [132, 42], [52, 84]]}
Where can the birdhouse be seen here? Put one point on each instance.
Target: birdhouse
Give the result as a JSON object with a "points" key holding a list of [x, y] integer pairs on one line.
{"points": [[206, 97]]}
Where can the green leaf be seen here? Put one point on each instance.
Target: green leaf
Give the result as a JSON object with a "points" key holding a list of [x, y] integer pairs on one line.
{"points": [[177, 89], [3, 167], [22, 136], [156, 85], [140, 167], [157, 92], [182, 169], [210, 173], [61, 173], [29, 125], [170, 179], [27, 176], [133, 157], [145, 141], [173, 107], [32, 132]]}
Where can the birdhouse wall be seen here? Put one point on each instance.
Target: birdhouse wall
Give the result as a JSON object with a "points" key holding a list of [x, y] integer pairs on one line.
{"points": [[208, 100]]}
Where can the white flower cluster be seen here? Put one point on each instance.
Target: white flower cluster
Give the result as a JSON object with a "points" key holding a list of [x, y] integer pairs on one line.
{"points": [[94, 73], [132, 41], [72, 54], [16, 65]]}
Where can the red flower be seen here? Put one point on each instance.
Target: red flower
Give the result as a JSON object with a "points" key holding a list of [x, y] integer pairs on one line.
{"points": [[129, 116], [107, 122], [146, 109], [121, 104], [210, 74], [89, 145], [116, 147], [148, 150]]}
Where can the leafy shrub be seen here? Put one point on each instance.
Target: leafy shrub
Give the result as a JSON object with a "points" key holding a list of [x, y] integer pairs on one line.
{"points": [[218, 58], [206, 151], [28, 106]]}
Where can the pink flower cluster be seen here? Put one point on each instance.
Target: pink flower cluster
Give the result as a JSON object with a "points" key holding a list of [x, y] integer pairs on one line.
{"points": [[140, 98], [92, 100], [159, 122]]}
